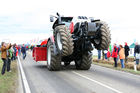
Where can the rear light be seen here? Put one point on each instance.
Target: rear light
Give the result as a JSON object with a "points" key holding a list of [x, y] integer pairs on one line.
{"points": [[71, 27]]}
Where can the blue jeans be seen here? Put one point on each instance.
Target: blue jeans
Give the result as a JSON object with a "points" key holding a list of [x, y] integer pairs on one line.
{"points": [[122, 63], [99, 54], [117, 58], [19, 52], [105, 55], [137, 61], [4, 66], [24, 55]]}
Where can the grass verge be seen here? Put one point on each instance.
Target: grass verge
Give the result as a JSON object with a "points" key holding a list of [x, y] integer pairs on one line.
{"points": [[9, 81], [118, 68]]}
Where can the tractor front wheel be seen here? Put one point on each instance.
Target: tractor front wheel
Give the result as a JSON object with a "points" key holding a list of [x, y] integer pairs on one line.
{"points": [[85, 62], [54, 61]]}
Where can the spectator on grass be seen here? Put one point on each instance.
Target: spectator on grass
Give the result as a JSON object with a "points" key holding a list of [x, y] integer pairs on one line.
{"points": [[15, 51], [137, 53], [122, 56], [99, 54], [127, 49], [9, 57], [118, 47], [4, 49], [12, 58], [115, 54], [108, 55], [105, 53]]}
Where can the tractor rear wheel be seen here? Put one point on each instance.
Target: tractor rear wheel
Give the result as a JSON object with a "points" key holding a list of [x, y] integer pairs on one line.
{"points": [[54, 61], [85, 62], [104, 37], [63, 40]]}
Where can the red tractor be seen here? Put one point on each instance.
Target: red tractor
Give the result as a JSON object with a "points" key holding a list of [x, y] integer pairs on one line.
{"points": [[73, 40]]}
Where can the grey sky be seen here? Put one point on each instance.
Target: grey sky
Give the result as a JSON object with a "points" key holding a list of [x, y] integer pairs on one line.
{"points": [[24, 20]]}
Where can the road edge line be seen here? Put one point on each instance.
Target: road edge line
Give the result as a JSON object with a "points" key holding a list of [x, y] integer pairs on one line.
{"points": [[123, 72], [97, 82], [20, 83], [25, 82]]}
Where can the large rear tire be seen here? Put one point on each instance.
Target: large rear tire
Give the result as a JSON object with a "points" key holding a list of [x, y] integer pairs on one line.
{"points": [[63, 40], [54, 61], [85, 62], [104, 37]]}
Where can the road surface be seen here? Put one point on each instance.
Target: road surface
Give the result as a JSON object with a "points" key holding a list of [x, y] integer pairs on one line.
{"points": [[69, 80]]}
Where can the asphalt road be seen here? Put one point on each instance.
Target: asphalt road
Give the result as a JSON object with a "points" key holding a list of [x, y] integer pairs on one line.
{"points": [[69, 80]]}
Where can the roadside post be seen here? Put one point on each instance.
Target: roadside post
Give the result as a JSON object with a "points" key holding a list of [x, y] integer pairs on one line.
{"points": [[135, 66]]}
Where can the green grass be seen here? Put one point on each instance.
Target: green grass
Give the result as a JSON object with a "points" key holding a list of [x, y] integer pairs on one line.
{"points": [[8, 81], [95, 57], [118, 68], [131, 57]]}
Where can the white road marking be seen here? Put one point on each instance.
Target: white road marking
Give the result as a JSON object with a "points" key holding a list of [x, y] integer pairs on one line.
{"points": [[29, 52], [26, 85], [97, 82]]}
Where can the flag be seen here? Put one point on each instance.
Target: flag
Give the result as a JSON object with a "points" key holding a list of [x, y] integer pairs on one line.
{"points": [[110, 48]]}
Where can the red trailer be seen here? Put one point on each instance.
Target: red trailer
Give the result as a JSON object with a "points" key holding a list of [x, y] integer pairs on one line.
{"points": [[40, 54]]}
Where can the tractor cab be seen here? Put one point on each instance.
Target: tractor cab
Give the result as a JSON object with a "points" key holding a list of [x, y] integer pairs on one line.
{"points": [[64, 21]]}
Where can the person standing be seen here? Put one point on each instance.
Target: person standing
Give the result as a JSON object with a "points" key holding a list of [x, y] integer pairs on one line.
{"points": [[105, 53], [23, 50], [99, 54], [118, 47], [137, 53], [19, 49], [109, 52], [9, 57], [15, 50], [115, 54], [12, 58], [127, 49], [122, 56], [108, 55], [4, 49]]}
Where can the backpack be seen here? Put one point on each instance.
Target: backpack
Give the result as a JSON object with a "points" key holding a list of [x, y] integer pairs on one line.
{"points": [[8, 53]]}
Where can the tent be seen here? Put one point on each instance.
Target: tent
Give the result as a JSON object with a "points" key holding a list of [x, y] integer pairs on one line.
{"points": [[132, 45]]}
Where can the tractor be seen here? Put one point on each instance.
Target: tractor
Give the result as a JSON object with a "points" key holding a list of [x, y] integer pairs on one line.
{"points": [[73, 40]]}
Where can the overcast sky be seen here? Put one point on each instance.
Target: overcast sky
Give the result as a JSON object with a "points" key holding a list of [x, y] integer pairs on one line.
{"points": [[24, 20]]}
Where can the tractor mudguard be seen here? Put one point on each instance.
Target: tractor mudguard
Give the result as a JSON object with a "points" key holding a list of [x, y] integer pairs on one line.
{"points": [[51, 39], [55, 50]]}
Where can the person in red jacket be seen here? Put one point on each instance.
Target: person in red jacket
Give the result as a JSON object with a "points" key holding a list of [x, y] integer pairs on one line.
{"points": [[108, 55], [16, 51], [115, 54]]}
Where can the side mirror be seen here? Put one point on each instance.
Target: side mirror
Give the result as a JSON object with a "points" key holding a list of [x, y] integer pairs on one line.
{"points": [[57, 14], [51, 19]]}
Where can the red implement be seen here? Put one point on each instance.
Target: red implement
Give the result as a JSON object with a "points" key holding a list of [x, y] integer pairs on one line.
{"points": [[40, 54]]}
